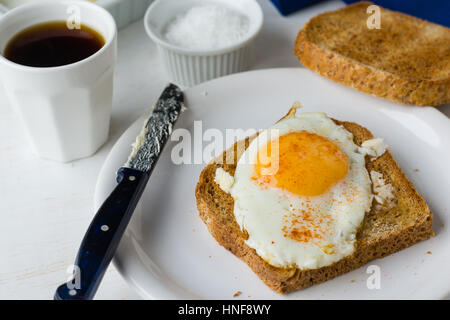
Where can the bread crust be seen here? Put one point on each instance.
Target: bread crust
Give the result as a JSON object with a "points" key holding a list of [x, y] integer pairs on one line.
{"points": [[382, 232], [371, 61]]}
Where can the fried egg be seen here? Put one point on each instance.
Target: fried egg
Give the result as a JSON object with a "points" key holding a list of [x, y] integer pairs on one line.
{"points": [[301, 190]]}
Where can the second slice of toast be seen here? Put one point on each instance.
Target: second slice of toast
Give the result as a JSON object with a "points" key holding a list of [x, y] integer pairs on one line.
{"points": [[406, 60], [383, 232]]}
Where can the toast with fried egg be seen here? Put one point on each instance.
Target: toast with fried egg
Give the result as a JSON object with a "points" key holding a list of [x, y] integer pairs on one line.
{"points": [[383, 231], [406, 60]]}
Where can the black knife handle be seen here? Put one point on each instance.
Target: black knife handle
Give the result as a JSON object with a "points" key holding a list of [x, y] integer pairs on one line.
{"points": [[103, 236]]}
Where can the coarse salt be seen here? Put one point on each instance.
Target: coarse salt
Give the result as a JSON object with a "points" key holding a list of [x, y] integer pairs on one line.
{"points": [[207, 27]]}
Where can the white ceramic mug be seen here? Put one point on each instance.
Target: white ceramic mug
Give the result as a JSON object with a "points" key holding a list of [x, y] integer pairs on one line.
{"points": [[66, 110]]}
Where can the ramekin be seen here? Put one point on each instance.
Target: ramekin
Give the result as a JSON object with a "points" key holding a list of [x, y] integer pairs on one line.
{"points": [[123, 11], [189, 67]]}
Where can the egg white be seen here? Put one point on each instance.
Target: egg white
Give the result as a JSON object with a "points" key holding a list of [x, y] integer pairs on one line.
{"points": [[263, 212]]}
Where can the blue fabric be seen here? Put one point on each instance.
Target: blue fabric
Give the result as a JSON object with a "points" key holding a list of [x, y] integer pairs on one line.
{"points": [[437, 11], [286, 7]]}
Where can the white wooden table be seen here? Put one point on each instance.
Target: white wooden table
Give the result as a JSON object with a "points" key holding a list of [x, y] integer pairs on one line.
{"points": [[45, 207]]}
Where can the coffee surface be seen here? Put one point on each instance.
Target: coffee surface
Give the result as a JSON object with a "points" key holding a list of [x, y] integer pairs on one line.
{"points": [[53, 44]]}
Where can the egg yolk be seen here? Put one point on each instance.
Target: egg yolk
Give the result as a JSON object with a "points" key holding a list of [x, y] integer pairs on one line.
{"points": [[302, 163]]}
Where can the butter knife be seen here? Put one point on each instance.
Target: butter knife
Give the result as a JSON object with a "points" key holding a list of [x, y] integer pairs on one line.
{"points": [[106, 229]]}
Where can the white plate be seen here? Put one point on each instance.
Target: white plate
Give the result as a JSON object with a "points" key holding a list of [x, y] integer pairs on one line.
{"points": [[167, 252]]}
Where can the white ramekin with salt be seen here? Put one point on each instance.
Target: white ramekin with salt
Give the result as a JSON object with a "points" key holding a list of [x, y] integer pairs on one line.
{"points": [[199, 40]]}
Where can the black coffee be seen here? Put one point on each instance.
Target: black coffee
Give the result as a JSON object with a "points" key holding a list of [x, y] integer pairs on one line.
{"points": [[53, 44]]}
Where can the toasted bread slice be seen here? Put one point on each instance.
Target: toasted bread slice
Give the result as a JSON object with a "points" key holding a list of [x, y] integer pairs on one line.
{"points": [[407, 60], [382, 232]]}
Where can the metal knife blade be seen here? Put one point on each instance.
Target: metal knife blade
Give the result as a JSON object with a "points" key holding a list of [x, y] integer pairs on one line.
{"points": [[106, 229], [156, 130]]}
